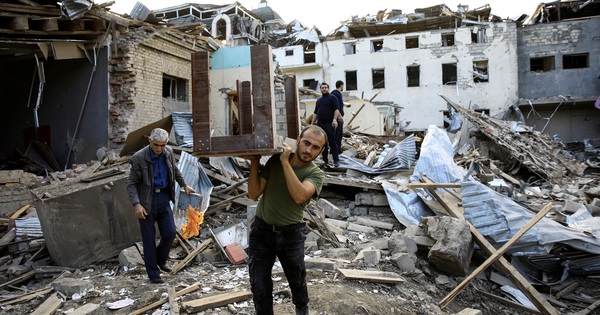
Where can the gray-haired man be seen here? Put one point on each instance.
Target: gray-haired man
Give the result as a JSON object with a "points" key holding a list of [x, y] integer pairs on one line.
{"points": [[150, 186]]}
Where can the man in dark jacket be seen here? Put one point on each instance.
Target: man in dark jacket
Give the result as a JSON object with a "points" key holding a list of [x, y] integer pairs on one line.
{"points": [[339, 131], [326, 116], [150, 186]]}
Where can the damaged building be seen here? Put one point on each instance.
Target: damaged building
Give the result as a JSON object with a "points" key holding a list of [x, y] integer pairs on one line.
{"points": [[78, 79], [559, 73]]}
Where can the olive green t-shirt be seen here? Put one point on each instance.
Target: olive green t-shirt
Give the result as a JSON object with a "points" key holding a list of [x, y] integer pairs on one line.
{"points": [[276, 206]]}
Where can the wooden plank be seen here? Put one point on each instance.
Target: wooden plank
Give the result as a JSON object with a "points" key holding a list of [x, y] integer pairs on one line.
{"points": [[206, 303], [201, 101], [444, 302], [25, 297], [434, 185], [235, 143], [291, 107], [19, 279], [589, 309], [19, 212], [49, 307], [172, 303], [191, 256], [162, 301], [262, 95], [46, 25], [18, 23], [336, 181], [502, 264], [245, 106], [372, 276]]}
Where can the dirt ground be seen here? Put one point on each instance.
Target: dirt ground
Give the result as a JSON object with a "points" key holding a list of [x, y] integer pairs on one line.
{"points": [[329, 292]]}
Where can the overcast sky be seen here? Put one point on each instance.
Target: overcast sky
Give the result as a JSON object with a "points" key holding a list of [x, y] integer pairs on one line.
{"points": [[327, 15]]}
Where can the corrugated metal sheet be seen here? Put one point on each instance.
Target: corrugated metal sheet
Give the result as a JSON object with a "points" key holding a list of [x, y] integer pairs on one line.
{"points": [[74, 9], [29, 226], [182, 126], [399, 157], [195, 177]]}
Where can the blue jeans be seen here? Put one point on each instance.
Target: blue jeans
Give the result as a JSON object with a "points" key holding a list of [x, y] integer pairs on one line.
{"points": [[264, 246], [330, 131], [162, 214]]}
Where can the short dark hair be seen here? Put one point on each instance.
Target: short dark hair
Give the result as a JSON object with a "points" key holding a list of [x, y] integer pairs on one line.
{"points": [[338, 83], [317, 129], [324, 84]]}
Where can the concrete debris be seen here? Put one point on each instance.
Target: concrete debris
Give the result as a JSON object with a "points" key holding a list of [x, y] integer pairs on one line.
{"points": [[355, 230]]}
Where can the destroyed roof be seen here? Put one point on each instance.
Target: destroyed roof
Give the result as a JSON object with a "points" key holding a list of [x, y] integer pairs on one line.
{"points": [[564, 10], [267, 14], [424, 19], [193, 12]]}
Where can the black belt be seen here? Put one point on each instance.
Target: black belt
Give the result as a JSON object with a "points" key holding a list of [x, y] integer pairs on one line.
{"points": [[157, 191], [279, 228]]}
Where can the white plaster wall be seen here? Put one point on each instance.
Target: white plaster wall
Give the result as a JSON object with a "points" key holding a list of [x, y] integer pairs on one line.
{"points": [[422, 105], [294, 65], [368, 120], [220, 82]]}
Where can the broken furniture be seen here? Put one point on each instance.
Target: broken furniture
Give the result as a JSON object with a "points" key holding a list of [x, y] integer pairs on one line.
{"points": [[254, 114]]}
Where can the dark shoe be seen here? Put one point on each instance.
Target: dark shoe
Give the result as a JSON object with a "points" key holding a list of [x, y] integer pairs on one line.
{"points": [[302, 311], [157, 280], [165, 268], [336, 164]]}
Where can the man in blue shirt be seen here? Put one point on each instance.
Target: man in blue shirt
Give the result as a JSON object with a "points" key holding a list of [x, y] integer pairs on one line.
{"points": [[150, 186], [339, 131], [326, 116]]}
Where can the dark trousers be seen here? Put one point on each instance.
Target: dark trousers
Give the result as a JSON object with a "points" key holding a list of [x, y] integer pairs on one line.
{"points": [[339, 134], [161, 214], [264, 246], [330, 131]]}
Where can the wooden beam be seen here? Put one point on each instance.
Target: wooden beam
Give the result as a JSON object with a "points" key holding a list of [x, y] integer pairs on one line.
{"points": [[245, 106], [206, 303], [191, 256], [201, 101], [50, 305], [502, 264], [172, 303], [589, 309], [434, 185], [291, 107], [372, 276], [261, 60], [19, 212], [162, 301], [495, 255]]}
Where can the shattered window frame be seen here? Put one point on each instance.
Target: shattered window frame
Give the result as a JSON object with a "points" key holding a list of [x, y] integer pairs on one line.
{"points": [[378, 76], [289, 52], [478, 35], [310, 53], [480, 71], [377, 45], [351, 80], [310, 83], [411, 42], [449, 78], [350, 48], [576, 61], [448, 39], [413, 76], [542, 64], [174, 88]]}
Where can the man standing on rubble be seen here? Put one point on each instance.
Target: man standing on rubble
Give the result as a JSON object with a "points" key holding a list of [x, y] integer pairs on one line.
{"points": [[286, 183], [339, 131], [150, 186], [326, 116]]}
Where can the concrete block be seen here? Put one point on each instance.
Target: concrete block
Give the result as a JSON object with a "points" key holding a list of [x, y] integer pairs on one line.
{"points": [[337, 253], [360, 228], [87, 309], [374, 223], [329, 209], [210, 255], [338, 223], [469, 311], [358, 211], [380, 200], [69, 287], [402, 244], [87, 223], [130, 257], [320, 263], [452, 251], [372, 256], [382, 244], [404, 262]]}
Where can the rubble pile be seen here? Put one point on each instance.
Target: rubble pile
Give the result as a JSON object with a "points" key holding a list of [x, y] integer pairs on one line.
{"points": [[390, 242]]}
